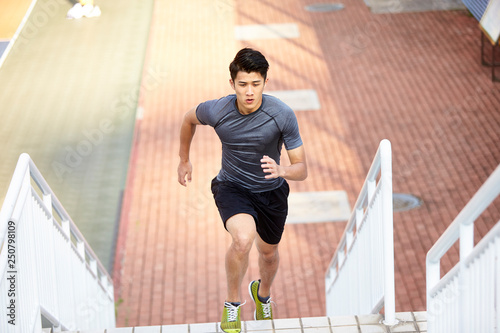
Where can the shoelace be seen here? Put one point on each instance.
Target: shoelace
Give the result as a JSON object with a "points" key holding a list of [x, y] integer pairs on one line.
{"points": [[266, 308], [232, 311]]}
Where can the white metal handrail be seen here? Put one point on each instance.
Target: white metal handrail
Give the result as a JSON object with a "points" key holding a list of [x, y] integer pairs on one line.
{"points": [[466, 299], [47, 268], [360, 277]]}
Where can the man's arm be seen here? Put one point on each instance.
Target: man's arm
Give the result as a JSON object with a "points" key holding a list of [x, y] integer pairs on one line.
{"points": [[297, 170], [188, 128]]}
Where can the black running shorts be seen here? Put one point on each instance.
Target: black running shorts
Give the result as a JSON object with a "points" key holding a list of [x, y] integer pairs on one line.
{"points": [[269, 209]]}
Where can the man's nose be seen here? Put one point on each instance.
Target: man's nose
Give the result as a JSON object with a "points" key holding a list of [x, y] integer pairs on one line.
{"points": [[249, 90]]}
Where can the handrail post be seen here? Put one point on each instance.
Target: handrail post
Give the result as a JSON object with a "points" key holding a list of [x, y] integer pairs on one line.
{"points": [[47, 200], [14, 187], [374, 205], [387, 213], [466, 239], [432, 276]]}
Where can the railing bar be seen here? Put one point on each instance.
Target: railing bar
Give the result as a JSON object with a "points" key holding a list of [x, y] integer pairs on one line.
{"points": [[40, 238], [13, 210], [44, 186], [15, 187], [483, 243], [352, 222], [488, 306], [372, 173], [474, 307], [497, 286], [46, 211], [367, 217], [479, 202], [476, 270], [388, 231], [489, 270], [447, 278], [478, 316]]}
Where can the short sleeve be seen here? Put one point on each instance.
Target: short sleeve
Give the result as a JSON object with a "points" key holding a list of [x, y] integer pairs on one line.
{"points": [[205, 114], [291, 134]]}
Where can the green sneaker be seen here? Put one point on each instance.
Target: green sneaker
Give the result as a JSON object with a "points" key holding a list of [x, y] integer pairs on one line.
{"points": [[263, 311], [231, 322]]}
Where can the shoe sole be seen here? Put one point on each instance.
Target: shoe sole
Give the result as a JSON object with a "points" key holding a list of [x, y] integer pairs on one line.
{"points": [[251, 295], [232, 330]]}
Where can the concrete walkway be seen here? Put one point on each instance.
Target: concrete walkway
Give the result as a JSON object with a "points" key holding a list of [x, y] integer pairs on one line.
{"points": [[68, 97]]}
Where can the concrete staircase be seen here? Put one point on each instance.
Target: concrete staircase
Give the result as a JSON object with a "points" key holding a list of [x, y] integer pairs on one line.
{"points": [[409, 322]]}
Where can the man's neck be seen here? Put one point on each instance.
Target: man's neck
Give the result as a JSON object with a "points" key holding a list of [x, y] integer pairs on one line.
{"points": [[245, 112]]}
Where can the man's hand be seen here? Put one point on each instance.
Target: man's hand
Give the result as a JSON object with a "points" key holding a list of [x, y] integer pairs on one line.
{"points": [[184, 169], [269, 166], [297, 170]]}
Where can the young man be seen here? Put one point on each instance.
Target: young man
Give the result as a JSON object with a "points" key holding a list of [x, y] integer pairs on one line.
{"points": [[250, 190]]}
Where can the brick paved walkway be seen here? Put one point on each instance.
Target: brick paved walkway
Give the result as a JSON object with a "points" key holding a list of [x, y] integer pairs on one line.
{"points": [[413, 78]]}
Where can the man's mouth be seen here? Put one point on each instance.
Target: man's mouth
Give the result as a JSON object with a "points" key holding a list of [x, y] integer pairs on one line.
{"points": [[249, 101]]}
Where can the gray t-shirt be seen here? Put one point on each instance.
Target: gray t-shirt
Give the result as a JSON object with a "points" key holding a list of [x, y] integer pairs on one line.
{"points": [[246, 138]]}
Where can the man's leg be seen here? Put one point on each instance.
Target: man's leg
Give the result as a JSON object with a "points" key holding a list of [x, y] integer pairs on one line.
{"points": [[241, 227], [260, 290], [268, 265]]}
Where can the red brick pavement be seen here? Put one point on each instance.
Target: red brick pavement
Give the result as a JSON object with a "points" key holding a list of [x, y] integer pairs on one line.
{"points": [[413, 78]]}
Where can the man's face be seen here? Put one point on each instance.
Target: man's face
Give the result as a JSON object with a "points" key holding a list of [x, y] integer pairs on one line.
{"points": [[248, 88]]}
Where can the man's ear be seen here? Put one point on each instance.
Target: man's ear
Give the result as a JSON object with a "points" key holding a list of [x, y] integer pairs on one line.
{"points": [[231, 82]]}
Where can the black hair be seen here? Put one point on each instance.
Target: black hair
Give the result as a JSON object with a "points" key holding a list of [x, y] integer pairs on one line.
{"points": [[249, 60]]}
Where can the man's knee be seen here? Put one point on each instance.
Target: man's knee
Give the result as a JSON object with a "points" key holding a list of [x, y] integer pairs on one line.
{"points": [[242, 230], [269, 254], [242, 243]]}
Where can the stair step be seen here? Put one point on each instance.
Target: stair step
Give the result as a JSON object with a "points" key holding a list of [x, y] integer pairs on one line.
{"points": [[408, 322]]}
